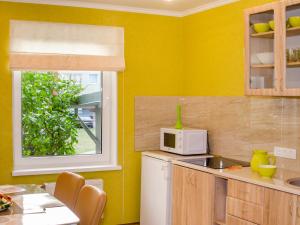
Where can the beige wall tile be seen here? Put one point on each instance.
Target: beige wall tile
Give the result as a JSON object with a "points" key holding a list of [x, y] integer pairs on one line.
{"points": [[152, 113], [236, 125]]}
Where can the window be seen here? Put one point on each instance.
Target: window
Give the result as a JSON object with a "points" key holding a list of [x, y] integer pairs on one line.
{"points": [[62, 120], [64, 100]]}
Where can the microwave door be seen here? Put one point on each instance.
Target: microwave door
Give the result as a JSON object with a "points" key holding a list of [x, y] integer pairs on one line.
{"points": [[170, 140]]}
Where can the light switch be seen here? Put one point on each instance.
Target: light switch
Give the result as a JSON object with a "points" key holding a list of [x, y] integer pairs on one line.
{"points": [[288, 153]]}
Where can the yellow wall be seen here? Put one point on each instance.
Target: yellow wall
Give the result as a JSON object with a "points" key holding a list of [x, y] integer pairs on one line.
{"points": [[214, 50], [153, 67], [200, 54]]}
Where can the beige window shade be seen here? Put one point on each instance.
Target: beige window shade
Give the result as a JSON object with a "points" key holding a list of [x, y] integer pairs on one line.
{"points": [[60, 46]]}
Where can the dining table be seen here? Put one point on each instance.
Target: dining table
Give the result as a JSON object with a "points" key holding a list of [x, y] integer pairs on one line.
{"points": [[32, 205]]}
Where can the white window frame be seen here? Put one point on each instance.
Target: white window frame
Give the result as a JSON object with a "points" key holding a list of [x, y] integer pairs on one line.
{"points": [[107, 160]]}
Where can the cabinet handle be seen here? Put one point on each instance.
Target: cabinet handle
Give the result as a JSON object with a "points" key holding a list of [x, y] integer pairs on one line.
{"points": [[165, 171], [291, 208], [244, 192], [244, 211], [191, 180], [298, 210]]}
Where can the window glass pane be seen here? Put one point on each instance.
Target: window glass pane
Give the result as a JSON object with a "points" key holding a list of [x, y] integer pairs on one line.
{"points": [[61, 113], [262, 51], [292, 78], [93, 78]]}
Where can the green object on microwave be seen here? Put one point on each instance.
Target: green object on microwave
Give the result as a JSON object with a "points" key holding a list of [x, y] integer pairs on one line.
{"points": [[178, 121]]}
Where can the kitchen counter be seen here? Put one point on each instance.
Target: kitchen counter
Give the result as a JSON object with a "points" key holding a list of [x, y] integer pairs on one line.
{"points": [[245, 174]]}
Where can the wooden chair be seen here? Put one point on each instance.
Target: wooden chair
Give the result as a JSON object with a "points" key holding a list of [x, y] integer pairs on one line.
{"points": [[90, 205], [67, 188]]}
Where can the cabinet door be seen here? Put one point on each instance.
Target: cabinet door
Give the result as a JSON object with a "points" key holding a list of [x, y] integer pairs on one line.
{"points": [[192, 197], [244, 191], [263, 51], [279, 208], [291, 42], [155, 193], [298, 211], [245, 210]]}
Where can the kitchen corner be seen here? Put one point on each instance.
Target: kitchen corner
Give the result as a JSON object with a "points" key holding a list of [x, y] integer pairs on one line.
{"points": [[219, 194], [247, 119], [236, 195]]}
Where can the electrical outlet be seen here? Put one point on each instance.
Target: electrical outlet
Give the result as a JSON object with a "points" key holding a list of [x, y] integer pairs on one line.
{"points": [[288, 153]]}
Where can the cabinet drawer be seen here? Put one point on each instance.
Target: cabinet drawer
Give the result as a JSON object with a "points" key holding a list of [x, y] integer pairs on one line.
{"points": [[245, 191], [231, 220], [245, 210]]}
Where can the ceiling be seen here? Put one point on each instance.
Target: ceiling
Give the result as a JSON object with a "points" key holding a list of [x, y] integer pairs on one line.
{"points": [[161, 7], [173, 5]]}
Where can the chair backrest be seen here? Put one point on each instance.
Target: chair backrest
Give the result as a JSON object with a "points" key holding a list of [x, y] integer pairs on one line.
{"points": [[67, 188], [90, 205]]}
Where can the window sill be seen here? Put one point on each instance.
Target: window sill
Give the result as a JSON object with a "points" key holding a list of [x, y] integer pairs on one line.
{"points": [[39, 171]]}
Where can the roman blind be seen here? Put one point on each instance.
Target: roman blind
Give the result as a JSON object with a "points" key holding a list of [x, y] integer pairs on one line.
{"points": [[62, 46]]}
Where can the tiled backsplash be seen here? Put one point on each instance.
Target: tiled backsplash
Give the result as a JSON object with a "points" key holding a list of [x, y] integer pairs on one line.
{"points": [[236, 125]]}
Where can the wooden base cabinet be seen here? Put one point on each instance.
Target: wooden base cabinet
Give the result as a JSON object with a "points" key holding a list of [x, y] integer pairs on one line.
{"points": [[244, 203], [297, 210], [198, 197], [253, 204], [245, 210], [279, 208], [192, 197]]}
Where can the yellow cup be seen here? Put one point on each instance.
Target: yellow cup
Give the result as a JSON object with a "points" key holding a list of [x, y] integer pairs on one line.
{"points": [[267, 170]]}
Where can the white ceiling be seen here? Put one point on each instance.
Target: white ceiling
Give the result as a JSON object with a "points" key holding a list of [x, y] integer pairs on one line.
{"points": [[174, 5], [161, 7]]}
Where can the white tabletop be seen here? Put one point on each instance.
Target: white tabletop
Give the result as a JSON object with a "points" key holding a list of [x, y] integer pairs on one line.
{"points": [[35, 208]]}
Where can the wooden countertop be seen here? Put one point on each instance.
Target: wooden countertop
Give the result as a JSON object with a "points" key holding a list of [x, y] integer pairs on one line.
{"points": [[244, 174], [166, 156]]}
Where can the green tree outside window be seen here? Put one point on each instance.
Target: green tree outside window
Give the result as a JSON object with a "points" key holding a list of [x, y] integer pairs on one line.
{"points": [[49, 122]]}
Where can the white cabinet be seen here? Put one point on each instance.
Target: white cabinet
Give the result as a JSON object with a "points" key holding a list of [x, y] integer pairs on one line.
{"points": [[155, 192]]}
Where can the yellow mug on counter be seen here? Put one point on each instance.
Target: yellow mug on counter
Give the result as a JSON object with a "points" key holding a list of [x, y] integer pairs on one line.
{"points": [[261, 157]]}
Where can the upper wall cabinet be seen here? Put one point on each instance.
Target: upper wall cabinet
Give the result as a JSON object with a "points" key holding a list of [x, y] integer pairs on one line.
{"points": [[272, 47], [291, 46]]}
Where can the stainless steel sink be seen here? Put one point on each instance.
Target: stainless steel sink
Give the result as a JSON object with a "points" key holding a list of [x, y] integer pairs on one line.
{"points": [[295, 182]]}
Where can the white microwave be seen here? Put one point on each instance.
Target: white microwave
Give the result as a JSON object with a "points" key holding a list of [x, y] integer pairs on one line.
{"points": [[183, 141]]}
